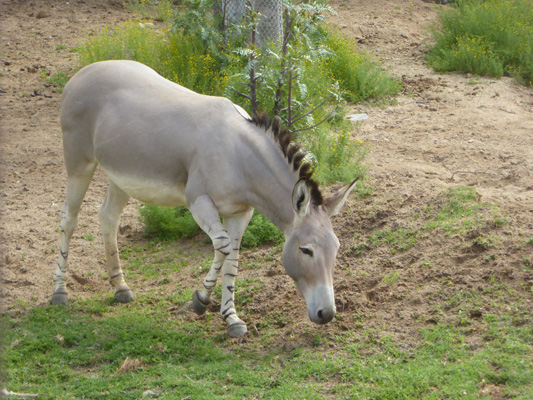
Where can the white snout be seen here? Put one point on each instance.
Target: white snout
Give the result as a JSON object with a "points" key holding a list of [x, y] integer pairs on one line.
{"points": [[320, 304]]}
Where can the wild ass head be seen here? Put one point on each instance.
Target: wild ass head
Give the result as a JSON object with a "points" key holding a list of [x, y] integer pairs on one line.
{"points": [[311, 247]]}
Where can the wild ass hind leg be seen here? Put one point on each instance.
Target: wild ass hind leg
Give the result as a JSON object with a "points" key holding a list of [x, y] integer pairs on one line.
{"points": [[109, 215], [235, 227], [76, 188]]}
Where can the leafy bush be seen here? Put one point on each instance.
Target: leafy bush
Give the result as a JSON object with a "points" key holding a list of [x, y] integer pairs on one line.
{"points": [[491, 37], [168, 223], [260, 231], [339, 157], [181, 59]]}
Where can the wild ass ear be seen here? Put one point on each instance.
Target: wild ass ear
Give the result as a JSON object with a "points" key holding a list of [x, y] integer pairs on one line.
{"points": [[336, 201], [301, 198]]}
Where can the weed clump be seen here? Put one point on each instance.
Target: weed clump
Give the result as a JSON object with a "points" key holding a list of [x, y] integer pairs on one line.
{"points": [[491, 37]]}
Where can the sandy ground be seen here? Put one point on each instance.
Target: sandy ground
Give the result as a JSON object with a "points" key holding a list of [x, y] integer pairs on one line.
{"points": [[445, 131]]}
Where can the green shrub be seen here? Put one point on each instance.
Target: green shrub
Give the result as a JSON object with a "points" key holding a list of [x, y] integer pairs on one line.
{"points": [[179, 58], [130, 40], [168, 222], [491, 37], [338, 157], [260, 231], [359, 76]]}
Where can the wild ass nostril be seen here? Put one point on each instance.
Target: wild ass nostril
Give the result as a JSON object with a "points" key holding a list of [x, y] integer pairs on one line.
{"points": [[325, 315]]}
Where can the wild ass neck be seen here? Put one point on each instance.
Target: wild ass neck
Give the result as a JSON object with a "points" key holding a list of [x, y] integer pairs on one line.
{"points": [[271, 176], [274, 202]]}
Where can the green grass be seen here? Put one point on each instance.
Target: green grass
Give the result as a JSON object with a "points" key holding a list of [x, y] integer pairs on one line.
{"points": [[491, 37], [398, 240], [97, 349], [60, 78], [89, 237], [161, 10], [458, 211]]}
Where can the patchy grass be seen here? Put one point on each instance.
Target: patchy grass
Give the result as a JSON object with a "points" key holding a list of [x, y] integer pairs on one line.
{"points": [[457, 212], [470, 342], [96, 349], [59, 79], [397, 240]]}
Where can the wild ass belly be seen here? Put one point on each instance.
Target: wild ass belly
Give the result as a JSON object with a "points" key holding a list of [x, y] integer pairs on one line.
{"points": [[157, 192], [150, 190]]}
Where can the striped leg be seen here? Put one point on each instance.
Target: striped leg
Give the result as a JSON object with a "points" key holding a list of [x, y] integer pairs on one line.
{"points": [[206, 216], [76, 188], [109, 215], [235, 227], [201, 298], [226, 240]]}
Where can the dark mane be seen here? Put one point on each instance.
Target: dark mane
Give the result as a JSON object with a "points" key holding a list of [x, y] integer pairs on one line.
{"points": [[293, 153]]}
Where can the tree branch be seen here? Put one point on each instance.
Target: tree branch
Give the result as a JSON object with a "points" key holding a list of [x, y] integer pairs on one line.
{"points": [[315, 125], [241, 94], [313, 110]]}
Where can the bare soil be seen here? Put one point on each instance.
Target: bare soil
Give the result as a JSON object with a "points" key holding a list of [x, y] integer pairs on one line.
{"points": [[444, 132]]}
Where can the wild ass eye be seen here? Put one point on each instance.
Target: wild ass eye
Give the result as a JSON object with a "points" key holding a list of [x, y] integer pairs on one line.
{"points": [[307, 251]]}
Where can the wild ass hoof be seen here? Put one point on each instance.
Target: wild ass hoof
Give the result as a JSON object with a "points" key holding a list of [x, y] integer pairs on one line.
{"points": [[59, 299], [237, 329], [124, 296], [199, 306]]}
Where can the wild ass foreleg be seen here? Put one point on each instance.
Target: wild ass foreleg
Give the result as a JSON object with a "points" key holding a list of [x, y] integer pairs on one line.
{"points": [[109, 216], [206, 216], [226, 241], [235, 227], [202, 298]]}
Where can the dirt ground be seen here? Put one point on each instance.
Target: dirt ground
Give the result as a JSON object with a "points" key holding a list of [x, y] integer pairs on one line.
{"points": [[445, 131]]}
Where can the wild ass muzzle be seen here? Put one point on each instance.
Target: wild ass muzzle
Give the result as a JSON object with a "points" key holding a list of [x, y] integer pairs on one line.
{"points": [[163, 144]]}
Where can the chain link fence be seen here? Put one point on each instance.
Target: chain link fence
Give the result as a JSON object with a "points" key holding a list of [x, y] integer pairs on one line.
{"points": [[269, 26]]}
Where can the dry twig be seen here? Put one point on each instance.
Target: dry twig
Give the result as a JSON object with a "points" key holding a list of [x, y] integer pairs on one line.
{"points": [[6, 393], [471, 172]]}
